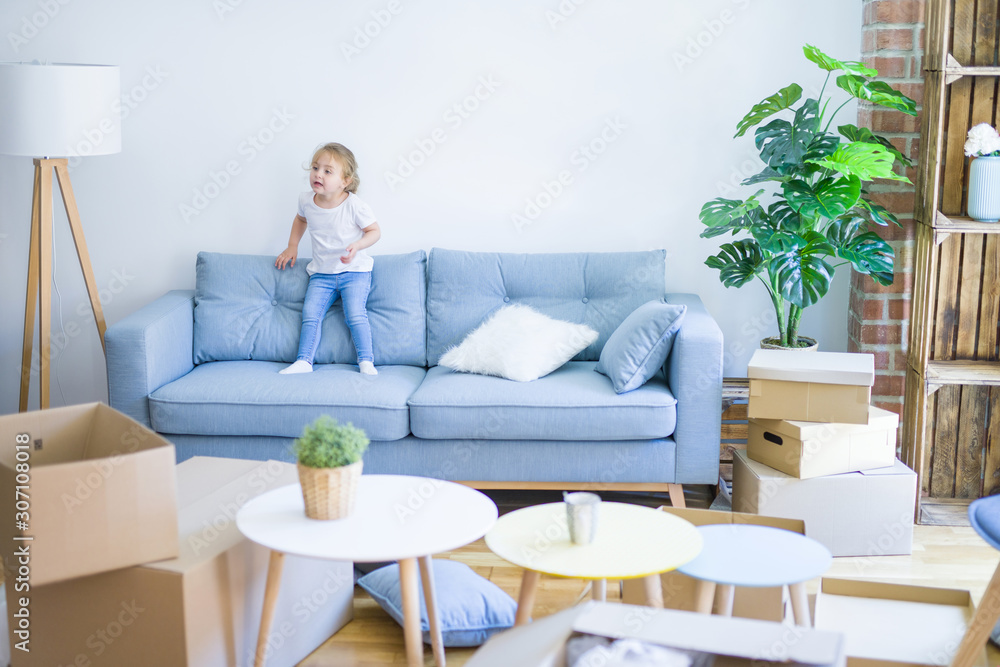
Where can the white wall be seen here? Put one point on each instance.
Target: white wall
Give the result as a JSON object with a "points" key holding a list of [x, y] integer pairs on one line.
{"points": [[203, 77]]}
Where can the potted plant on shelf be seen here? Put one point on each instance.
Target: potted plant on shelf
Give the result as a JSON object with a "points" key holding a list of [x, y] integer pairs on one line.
{"points": [[820, 210], [329, 461], [983, 146]]}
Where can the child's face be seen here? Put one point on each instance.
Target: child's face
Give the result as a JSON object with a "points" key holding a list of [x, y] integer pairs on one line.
{"points": [[327, 176]]}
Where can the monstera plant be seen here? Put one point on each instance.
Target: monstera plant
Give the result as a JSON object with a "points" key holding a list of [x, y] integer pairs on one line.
{"points": [[820, 217]]}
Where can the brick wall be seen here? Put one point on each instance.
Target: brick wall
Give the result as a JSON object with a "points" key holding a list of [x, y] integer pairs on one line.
{"points": [[892, 43]]}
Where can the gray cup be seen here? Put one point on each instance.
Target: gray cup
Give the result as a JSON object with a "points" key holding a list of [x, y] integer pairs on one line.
{"points": [[581, 515]]}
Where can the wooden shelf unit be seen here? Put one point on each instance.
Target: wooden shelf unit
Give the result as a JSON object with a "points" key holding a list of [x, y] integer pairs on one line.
{"points": [[951, 424]]}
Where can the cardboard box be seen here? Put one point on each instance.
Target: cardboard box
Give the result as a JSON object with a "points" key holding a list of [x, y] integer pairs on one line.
{"points": [[203, 608], [734, 641], [866, 513], [811, 449], [98, 492], [810, 386], [767, 604], [895, 625]]}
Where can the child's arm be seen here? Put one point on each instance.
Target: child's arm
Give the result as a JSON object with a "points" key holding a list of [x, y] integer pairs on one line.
{"points": [[372, 234], [287, 257]]}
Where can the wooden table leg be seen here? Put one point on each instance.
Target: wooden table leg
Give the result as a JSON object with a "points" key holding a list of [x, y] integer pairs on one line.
{"points": [[599, 590], [982, 624], [654, 591], [271, 588], [704, 596], [526, 599], [427, 580], [411, 612], [726, 595], [800, 604]]}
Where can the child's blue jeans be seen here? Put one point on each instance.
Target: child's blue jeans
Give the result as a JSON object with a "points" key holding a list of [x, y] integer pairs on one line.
{"points": [[323, 290]]}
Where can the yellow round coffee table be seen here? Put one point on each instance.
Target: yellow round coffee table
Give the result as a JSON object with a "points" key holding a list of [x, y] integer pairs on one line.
{"points": [[632, 542]]}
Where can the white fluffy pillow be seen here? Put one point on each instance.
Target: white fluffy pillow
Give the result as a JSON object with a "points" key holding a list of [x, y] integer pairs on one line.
{"points": [[518, 343]]}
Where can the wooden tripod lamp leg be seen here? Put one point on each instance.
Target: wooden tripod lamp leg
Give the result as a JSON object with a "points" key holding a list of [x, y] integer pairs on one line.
{"points": [[73, 214], [45, 283], [32, 291]]}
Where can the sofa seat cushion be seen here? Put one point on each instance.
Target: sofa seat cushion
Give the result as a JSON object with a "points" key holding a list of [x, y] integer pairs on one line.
{"points": [[571, 403], [252, 398]]}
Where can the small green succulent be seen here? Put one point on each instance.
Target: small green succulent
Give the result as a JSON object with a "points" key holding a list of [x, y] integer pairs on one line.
{"points": [[327, 444]]}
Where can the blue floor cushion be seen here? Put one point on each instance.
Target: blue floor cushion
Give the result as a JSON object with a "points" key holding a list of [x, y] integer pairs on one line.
{"points": [[470, 608]]}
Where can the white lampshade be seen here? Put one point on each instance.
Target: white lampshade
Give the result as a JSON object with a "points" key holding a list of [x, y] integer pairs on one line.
{"points": [[59, 110]]}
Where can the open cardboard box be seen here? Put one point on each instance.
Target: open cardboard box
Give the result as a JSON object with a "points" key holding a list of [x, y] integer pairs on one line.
{"points": [[98, 489], [895, 625], [867, 513], [734, 641], [766, 604], [813, 387], [814, 449], [203, 608]]}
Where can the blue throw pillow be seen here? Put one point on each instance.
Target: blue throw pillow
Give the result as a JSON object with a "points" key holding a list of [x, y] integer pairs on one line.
{"points": [[470, 608], [639, 346]]}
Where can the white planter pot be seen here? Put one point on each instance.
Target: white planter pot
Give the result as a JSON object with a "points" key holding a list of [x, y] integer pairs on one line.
{"points": [[984, 189]]}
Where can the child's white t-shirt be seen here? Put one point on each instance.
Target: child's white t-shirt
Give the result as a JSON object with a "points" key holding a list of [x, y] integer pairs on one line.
{"points": [[332, 230]]}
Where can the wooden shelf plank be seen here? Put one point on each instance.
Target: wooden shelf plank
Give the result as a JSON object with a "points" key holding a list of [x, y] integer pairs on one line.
{"points": [[964, 225], [963, 372]]}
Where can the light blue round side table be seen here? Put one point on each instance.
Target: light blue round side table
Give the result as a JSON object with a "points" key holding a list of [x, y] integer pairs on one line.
{"points": [[755, 556]]}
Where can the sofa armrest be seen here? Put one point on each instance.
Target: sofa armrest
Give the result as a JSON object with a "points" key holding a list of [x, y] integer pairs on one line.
{"points": [[694, 374], [148, 349]]}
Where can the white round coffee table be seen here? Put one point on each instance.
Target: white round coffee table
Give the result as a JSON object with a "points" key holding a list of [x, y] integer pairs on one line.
{"points": [[631, 542], [396, 518]]}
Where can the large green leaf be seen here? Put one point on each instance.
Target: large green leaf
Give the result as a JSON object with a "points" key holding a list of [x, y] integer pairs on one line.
{"points": [[876, 92], [766, 174], [724, 215], [831, 197], [783, 217], [738, 262], [855, 133], [804, 276], [877, 214], [832, 64], [769, 106], [783, 144], [866, 251], [864, 160]]}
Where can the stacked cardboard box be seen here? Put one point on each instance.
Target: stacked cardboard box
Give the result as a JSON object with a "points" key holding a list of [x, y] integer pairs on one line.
{"points": [[817, 451], [119, 557]]}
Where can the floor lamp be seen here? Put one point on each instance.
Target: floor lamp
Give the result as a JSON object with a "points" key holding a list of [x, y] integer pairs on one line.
{"points": [[52, 112]]}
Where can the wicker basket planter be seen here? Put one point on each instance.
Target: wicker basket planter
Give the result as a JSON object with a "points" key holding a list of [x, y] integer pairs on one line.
{"points": [[329, 493], [771, 343]]}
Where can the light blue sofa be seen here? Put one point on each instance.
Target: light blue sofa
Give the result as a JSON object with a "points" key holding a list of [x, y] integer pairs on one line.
{"points": [[201, 368]]}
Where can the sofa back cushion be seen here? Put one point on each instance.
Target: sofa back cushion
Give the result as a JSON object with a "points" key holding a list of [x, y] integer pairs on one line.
{"points": [[596, 289], [246, 308]]}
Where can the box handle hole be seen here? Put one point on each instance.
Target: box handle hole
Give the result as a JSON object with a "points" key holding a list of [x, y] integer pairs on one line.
{"points": [[770, 437]]}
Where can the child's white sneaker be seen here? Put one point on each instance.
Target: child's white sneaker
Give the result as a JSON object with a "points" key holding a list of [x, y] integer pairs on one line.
{"points": [[299, 366], [367, 367]]}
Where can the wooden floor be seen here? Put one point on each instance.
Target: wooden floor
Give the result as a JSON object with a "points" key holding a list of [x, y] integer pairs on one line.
{"points": [[947, 556]]}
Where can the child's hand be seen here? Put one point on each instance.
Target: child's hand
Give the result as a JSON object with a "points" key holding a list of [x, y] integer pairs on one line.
{"points": [[286, 258], [352, 250]]}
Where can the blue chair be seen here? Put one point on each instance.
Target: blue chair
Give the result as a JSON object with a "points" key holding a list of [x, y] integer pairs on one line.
{"points": [[985, 517]]}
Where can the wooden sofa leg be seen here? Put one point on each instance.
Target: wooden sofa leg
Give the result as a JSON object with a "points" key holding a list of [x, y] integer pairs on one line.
{"points": [[676, 492]]}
